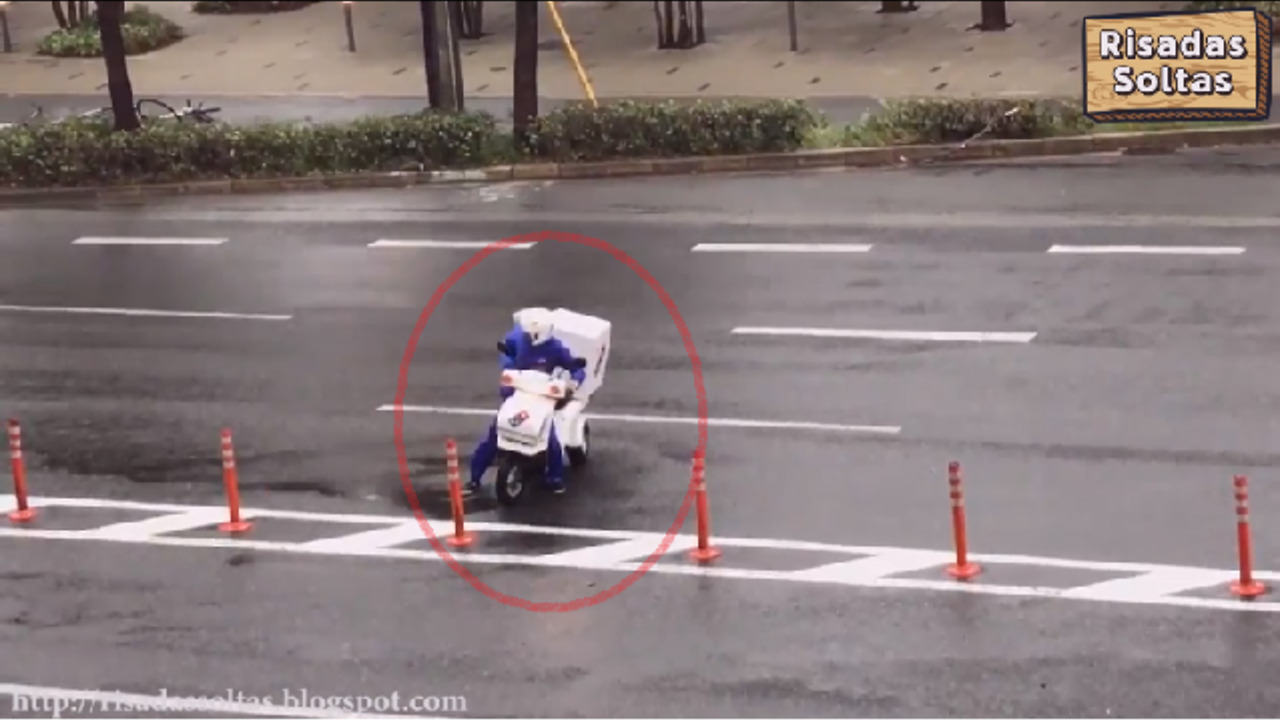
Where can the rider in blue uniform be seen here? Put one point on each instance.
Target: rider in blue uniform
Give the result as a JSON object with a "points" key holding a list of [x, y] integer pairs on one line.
{"points": [[529, 346]]}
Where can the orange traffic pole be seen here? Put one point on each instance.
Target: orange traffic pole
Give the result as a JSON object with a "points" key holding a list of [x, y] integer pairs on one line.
{"points": [[1245, 586], [962, 569], [705, 552], [231, 483], [460, 536], [24, 512]]}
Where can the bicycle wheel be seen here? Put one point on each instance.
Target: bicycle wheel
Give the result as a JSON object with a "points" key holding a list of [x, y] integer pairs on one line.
{"points": [[168, 109]]}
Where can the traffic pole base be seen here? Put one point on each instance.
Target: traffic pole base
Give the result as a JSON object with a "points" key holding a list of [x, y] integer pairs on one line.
{"points": [[1251, 589], [965, 571], [704, 555], [463, 540], [235, 527], [21, 516]]}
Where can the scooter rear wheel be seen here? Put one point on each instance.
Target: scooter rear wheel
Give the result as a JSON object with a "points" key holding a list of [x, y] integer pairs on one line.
{"points": [[578, 455]]}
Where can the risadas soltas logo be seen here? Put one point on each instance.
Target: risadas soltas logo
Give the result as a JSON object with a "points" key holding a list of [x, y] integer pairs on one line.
{"points": [[1177, 66]]}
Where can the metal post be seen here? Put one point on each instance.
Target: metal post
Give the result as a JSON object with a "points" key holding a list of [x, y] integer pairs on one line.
{"points": [[351, 30], [4, 27], [791, 25]]}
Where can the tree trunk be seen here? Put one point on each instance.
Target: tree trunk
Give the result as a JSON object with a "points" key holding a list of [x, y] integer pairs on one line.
{"points": [[456, 18], [898, 6], [471, 20], [668, 23], [684, 31], [430, 58], [60, 15], [994, 17], [657, 21], [73, 13], [118, 85], [680, 24], [525, 70]]}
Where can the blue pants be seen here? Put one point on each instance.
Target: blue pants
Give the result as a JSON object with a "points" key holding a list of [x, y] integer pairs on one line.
{"points": [[482, 458]]}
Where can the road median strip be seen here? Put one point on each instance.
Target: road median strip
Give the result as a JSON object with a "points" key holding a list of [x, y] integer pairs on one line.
{"points": [[584, 140]]}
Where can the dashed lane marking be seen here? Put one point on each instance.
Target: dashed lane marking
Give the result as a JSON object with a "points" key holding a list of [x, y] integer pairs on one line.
{"points": [[872, 567], [96, 240], [138, 312], [666, 420], [443, 244], [1145, 250], [895, 335], [782, 247], [41, 699]]}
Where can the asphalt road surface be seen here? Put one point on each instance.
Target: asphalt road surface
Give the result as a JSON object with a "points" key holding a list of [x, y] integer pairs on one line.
{"points": [[246, 109], [1099, 400]]}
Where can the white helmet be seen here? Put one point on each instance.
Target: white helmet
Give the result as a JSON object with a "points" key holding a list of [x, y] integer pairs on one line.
{"points": [[521, 312], [537, 324]]}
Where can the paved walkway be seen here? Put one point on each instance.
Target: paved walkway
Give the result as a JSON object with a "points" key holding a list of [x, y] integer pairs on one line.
{"points": [[847, 49]]}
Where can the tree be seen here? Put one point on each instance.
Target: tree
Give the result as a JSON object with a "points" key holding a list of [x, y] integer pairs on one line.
{"points": [[995, 17], [430, 57], [680, 24], [73, 15], [118, 85], [897, 6], [524, 71], [469, 18]]}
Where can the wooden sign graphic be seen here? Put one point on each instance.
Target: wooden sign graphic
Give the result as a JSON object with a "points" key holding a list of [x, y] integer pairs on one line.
{"points": [[1183, 66]]}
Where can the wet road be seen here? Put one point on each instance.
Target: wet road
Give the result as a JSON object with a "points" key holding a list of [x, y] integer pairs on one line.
{"points": [[1099, 420], [246, 109]]}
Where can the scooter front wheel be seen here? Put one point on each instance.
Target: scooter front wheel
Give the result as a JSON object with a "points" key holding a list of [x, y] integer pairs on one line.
{"points": [[511, 484]]}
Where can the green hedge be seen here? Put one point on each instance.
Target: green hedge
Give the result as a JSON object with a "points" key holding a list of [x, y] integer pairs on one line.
{"points": [[1266, 6], [144, 31], [944, 121], [88, 152], [247, 7], [635, 129]]}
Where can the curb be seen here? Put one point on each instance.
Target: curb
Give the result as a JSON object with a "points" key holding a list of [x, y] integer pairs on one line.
{"points": [[893, 156]]}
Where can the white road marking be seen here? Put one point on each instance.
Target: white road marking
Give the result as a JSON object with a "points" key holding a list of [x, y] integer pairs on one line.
{"points": [[1146, 250], [161, 524], [445, 244], [376, 539], [98, 703], [868, 567], [659, 420], [137, 312], [95, 240], [606, 556], [876, 567], [1168, 581], [782, 247], [899, 335]]}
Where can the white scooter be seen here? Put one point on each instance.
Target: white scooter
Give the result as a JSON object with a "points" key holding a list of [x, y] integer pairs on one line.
{"points": [[524, 423], [541, 401]]}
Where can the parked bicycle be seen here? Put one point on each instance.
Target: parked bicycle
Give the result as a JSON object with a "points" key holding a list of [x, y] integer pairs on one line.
{"points": [[37, 113], [38, 117], [198, 113]]}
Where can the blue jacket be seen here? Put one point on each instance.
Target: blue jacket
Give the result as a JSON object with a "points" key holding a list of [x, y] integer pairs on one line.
{"points": [[524, 355]]}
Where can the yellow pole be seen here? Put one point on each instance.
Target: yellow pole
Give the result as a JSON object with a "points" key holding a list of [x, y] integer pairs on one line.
{"points": [[573, 54]]}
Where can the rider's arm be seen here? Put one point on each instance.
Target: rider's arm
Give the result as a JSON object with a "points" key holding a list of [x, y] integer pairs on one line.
{"points": [[566, 360]]}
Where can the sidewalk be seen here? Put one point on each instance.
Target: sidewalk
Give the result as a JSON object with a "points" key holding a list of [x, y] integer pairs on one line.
{"points": [[847, 50]]}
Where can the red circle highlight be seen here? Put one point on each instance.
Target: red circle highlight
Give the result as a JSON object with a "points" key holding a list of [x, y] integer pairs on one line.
{"points": [[402, 387]]}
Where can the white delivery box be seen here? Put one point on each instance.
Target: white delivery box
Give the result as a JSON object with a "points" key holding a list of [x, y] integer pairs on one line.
{"points": [[586, 337]]}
